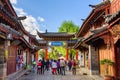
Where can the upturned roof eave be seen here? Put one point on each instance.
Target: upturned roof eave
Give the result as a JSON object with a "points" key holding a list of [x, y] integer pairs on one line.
{"points": [[92, 13], [85, 40]]}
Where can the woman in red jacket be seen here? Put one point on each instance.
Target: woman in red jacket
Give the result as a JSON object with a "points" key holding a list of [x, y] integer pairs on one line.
{"points": [[39, 64]]}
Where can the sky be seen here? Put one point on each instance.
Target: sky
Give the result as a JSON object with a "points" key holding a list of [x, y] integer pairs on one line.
{"points": [[49, 14]]}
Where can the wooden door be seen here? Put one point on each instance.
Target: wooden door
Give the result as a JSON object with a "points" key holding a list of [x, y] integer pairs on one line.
{"points": [[11, 62], [118, 61]]}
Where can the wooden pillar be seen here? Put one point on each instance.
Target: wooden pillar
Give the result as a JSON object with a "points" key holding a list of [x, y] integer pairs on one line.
{"points": [[36, 56], [46, 55], [67, 53], [114, 58], [4, 46], [76, 54]]}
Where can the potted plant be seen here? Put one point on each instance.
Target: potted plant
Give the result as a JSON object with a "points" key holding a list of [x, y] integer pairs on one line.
{"points": [[107, 63]]}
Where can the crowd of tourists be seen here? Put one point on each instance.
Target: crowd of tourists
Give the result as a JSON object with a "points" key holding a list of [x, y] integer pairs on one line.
{"points": [[55, 66]]}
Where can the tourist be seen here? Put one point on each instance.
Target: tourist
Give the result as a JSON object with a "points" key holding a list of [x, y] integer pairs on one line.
{"points": [[62, 66], [54, 67], [58, 66], [69, 65], [34, 65], [39, 67], [43, 66], [74, 67]]}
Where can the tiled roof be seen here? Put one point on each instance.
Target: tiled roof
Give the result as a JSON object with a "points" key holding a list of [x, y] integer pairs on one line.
{"points": [[92, 14], [100, 29], [113, 17], [102, 4], [55, 34]]}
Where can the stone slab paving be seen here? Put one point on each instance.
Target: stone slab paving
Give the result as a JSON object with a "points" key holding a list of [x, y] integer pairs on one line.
{"points": [[48, 76]]}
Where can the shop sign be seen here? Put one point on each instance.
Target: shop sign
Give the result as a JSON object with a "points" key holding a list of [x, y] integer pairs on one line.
{"points": [[56, 43]]}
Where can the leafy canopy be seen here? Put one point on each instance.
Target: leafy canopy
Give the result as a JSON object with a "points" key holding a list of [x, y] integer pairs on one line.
{"points": [[68, 26]]}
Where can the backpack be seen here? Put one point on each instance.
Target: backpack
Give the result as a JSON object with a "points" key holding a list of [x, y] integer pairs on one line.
{"points": [[39, 64], [74, 63]]}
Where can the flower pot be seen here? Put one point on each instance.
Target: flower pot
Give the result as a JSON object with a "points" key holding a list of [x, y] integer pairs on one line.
{"points": [[107, 77]]}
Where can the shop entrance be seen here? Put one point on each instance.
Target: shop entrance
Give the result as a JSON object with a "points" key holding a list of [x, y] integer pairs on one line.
{"points": [[117, 53]]}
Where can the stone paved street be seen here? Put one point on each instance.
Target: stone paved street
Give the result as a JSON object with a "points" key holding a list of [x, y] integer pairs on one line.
{"points": [[48, 76]]}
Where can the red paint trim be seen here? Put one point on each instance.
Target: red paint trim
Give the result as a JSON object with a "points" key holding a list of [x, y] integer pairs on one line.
{"points": [[113, 23], [67, 53], [36, 56], [46, 55], [11, 8], [3, 29], [76, 54]]}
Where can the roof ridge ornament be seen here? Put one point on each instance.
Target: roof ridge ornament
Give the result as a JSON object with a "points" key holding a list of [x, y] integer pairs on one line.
{"points": [[46, 31], [105, 2], [92, 6]]}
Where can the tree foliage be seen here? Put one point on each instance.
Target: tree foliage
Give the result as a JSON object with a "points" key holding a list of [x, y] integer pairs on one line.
{"points": [[68, 26], [41, 53], [54, 53]]}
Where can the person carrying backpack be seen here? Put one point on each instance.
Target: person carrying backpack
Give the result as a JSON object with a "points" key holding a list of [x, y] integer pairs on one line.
{"points": [[74, 67], [34, 65]]}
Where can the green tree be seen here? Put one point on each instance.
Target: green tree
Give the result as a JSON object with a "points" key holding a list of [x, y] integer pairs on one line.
{"points": [[68, 26], [42, 53], [53, 54], [72, 53]]}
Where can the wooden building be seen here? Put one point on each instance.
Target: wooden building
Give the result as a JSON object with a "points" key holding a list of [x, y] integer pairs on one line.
{"points": [[17, 46], [99, 38]]}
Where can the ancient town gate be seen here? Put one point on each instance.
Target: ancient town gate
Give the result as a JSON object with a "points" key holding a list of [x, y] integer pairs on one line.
{"points": [[57, 36]]}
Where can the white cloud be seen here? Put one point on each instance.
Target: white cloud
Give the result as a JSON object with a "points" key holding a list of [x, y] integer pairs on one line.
{"points": [[20, 11], [30, 23], [41, 19], [13, 1]]}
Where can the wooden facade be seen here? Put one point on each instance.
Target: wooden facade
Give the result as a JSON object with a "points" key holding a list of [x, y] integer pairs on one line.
{"points": [[101, 38], [14, 41], [56, 36]]}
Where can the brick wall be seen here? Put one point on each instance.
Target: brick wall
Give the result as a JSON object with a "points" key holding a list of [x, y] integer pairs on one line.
{"points": [[115, 6]]}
